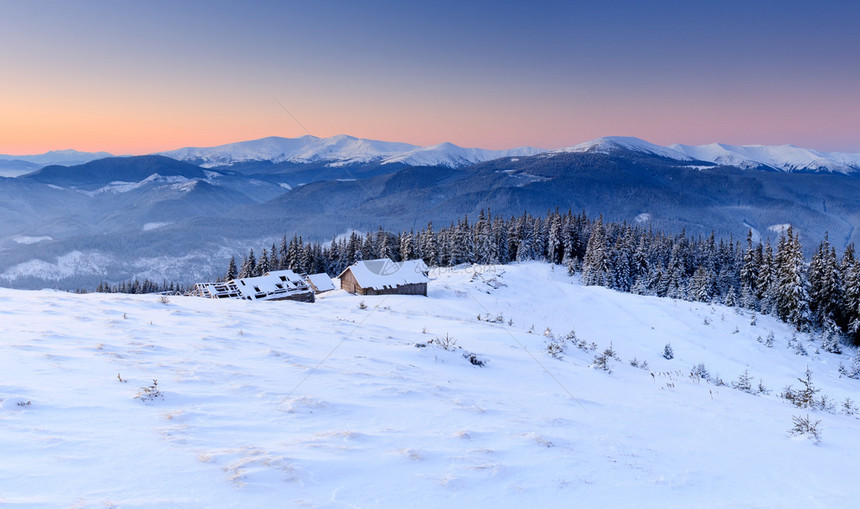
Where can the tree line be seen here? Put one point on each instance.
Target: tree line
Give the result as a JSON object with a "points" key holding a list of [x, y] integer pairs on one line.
{"points": [[822, 294]]}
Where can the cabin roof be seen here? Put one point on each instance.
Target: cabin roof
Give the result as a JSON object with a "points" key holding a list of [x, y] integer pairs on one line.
{"points": [[384, 273], [322, 282], [271, 283]]}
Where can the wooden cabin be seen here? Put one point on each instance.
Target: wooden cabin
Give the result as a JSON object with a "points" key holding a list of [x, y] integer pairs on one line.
{"points": [[385, 277], [319, 283]]}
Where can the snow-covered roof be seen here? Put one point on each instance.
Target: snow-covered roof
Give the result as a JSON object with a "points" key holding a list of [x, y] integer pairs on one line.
{"points": [[322, 282], [384, 273], [272, 284]]}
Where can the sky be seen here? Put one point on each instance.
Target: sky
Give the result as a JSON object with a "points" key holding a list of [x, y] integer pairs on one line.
{"points": [[139, 77]]}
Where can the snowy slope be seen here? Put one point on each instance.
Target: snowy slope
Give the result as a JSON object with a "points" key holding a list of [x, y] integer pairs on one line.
{"points": [[339, 150], [452, 156], [612, 144], [326, 404], [782, 157]]}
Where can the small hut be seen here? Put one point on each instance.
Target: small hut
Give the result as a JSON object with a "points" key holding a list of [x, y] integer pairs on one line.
{"points": [[385, 277], [275, 285], [320, 283]]}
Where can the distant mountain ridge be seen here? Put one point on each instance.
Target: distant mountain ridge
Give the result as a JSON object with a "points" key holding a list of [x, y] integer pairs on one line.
{"points": [[787, 158], [12, 166], [340, 150], [343, 150]]}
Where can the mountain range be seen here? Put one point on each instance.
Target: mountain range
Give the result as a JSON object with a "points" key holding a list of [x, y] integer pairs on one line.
{"points": [[180, 215]]}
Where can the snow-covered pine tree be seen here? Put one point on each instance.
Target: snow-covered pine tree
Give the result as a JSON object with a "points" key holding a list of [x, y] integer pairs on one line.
{"points": [[595, 265], [232, 271], [263, 263], [792, 293], [249, 266], [825, 285]]}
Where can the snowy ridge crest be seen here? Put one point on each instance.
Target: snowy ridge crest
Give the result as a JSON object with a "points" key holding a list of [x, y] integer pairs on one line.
{"points": [[787, 158], [340, 150]]}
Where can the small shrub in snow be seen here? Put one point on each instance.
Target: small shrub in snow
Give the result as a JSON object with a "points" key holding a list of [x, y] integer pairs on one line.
{"points": [[25, 403], [853, 370], [612, 353], [556, 348], [121, 379], [768, 342], [700, 371], [164, 299], [362, 305], [848, 407], [474, 360], [761, 389], [826, 404], [799, 349], [804, 426], [547, 333], [737, 330], [150, 393], [602, 362], [446, 343], [831, 338], [641, 365], [753, 320], [804, 397], [743, 382], [668, 353], [706, 321]]}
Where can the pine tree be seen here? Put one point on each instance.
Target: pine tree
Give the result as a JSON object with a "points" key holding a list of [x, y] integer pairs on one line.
{"points": [[232, 271], [249, 266], [595, 265], [263, 263], [825, 285], [792, 294]]}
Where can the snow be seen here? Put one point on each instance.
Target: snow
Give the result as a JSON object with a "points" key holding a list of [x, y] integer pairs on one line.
{"points": [[644, 217], [326, 404], [778, 157], [781, 157], [340, 150], [27, 239], [175, 182], [66, 265], [383, 273], [154, 226], [610, 144], [452, 156], [273, 285], [321, 282]]}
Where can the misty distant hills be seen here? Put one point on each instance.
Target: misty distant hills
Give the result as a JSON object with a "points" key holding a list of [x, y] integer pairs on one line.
{"points": [[154, 216]]}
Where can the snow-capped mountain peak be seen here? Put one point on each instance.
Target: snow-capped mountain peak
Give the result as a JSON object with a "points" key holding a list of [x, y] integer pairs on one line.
{"points": [[340, 150], [611, 144], [788, 158], [779, 157]]}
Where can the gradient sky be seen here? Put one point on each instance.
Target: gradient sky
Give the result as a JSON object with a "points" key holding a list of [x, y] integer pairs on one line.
{"points": [[137, 77]]}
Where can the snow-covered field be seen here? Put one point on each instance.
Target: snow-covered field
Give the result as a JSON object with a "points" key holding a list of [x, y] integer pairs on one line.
{"points": [[330, 405]]}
